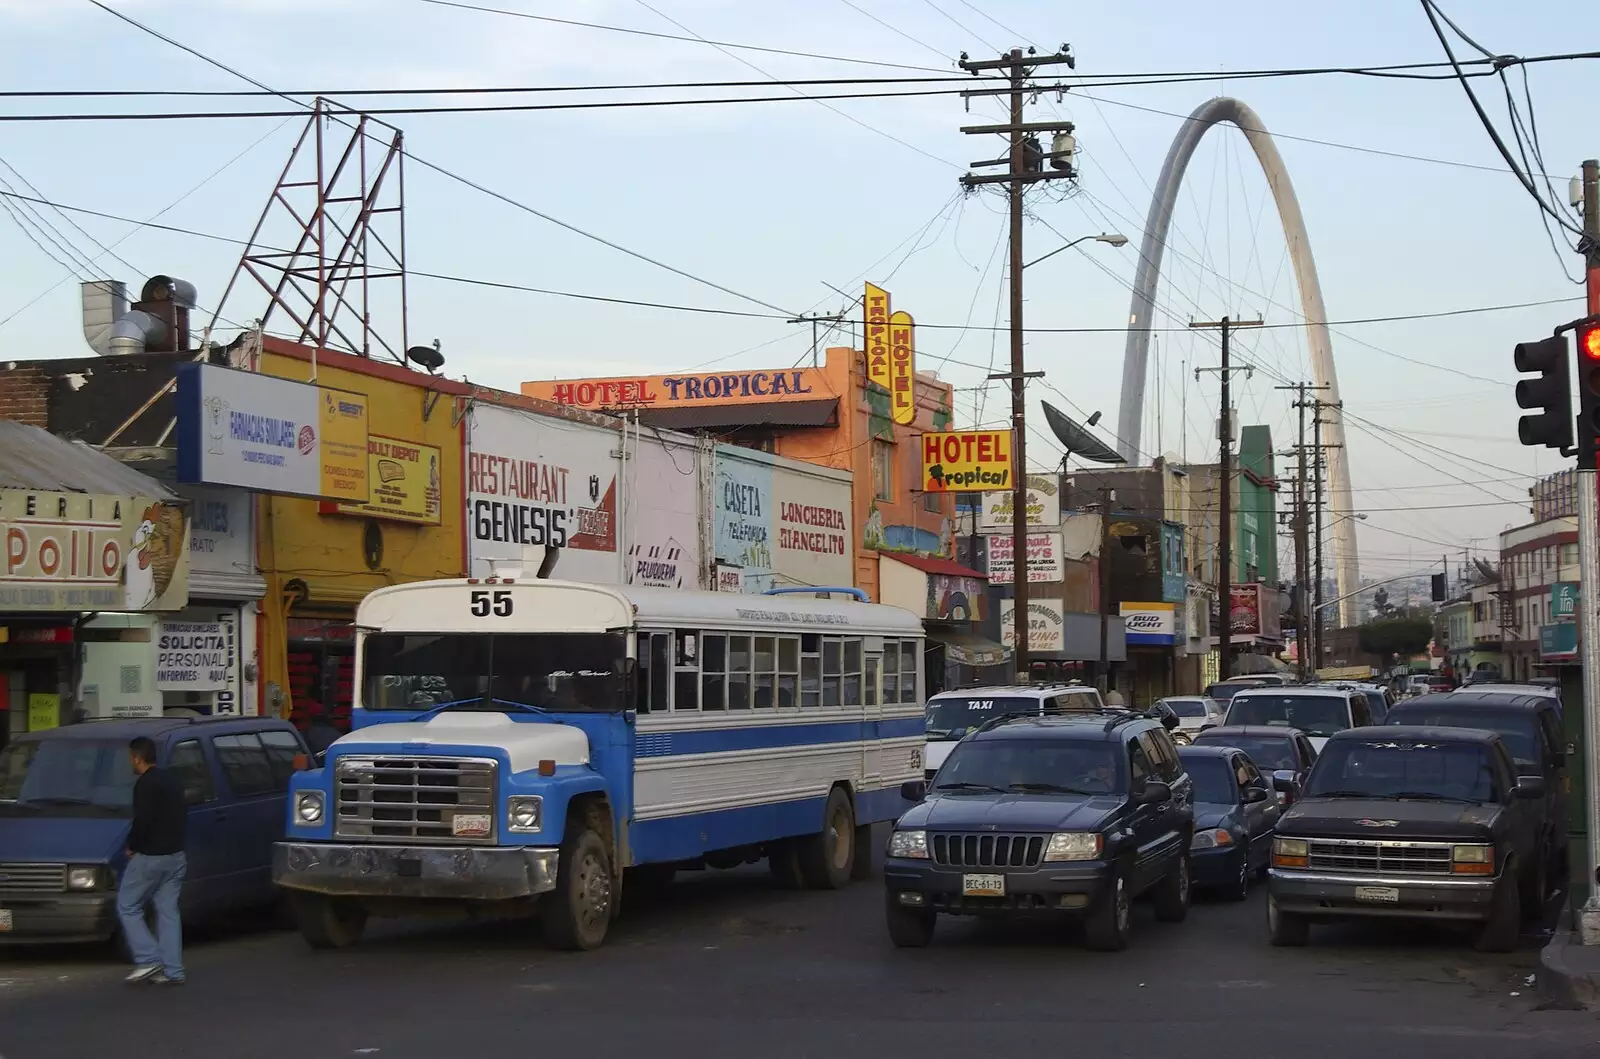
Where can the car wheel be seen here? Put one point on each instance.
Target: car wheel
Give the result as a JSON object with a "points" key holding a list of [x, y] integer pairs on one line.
{"points": [[827, 858], [328, 922], [1499, 933], [1172, 893], [909, 927], [1110, 922], [1238, 889], [1286, 929]]}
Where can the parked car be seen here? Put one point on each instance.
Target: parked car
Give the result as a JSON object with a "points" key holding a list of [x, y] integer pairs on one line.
{"points": [[1410, 822], [1234, 814], [1378, 697], [951, 715], [1070, 814], [1278, 752], [1497, 688], [1194, 712], [1223, 690], [1318, 712], [1530, 727], [66, 804], [1417, 684]]}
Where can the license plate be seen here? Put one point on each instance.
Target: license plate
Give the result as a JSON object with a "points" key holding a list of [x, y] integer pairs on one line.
{"points": [[5, 919], [983, 885], [1381, 894], [470, 825]]}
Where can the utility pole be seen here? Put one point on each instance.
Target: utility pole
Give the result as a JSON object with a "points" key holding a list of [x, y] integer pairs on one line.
{"points": [[1103, 669], [1025, 165], [1302, 566], [1319, 467], [814, 319], [1225, 474], [1589, 579]]}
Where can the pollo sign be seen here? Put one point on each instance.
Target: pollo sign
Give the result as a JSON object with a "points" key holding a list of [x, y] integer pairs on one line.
{"points": [[81, 552]]}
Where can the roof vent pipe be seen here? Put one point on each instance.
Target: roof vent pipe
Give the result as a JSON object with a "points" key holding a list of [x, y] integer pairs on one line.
{"points": [[104, 300], [135, 332]]}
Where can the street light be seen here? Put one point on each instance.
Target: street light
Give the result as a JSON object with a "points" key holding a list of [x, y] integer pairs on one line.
{"points": [[1111, 238]]}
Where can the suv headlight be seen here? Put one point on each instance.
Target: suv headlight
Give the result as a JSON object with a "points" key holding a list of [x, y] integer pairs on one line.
{"points": [[1472, 860], [525, 812], [86, 877], [1073, 845], [1290, 853], [911, 844], [308, 807], [1211, 839]]}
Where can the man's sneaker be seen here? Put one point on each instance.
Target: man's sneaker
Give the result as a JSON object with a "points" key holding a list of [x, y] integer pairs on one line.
{"points": [[143, 974], [160, 978]]}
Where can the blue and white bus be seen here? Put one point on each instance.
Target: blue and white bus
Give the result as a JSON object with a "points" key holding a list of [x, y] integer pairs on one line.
{"points": [[538, 746]]}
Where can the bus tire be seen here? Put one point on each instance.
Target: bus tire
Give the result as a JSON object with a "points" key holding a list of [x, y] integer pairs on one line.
{"points": [[577, 913], [862, 868], [827, 858], [783, 861], [328, 922]]}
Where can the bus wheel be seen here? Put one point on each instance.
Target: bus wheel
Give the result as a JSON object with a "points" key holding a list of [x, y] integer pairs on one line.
{"points": [[827, 858], [327, 922], [576, 914]]}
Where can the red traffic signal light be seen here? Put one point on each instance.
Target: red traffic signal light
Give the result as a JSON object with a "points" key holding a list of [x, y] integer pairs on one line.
{"points": [[1589, 343]]}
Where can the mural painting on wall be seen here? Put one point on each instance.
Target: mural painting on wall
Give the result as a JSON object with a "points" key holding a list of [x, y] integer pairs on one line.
{"points": [[662, 517], [742, 502], [908, 539], [953, 598]]}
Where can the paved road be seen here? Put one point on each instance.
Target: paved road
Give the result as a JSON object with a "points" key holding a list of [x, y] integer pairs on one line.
{"points": [[727, 965]]}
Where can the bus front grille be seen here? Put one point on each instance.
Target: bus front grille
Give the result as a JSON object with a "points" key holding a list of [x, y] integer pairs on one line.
{"points": [[409, 799]]}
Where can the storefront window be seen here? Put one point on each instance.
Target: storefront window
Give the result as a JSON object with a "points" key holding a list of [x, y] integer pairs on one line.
{"points": [[882, 470]]}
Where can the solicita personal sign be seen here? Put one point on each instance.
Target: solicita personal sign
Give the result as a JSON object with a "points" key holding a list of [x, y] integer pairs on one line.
{"points": [[966, 461]]}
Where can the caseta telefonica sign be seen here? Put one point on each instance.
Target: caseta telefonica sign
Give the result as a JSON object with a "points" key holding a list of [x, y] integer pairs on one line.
{"points": [[683, 390]]}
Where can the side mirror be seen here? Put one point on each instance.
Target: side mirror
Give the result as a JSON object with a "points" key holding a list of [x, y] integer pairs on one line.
{"points": [[1169, 721], [1283, 780], [1154, 793], [914, 790], [1529, 787], [1252, 795]]}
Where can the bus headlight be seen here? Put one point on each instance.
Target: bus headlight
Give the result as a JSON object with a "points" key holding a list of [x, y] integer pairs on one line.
{"points": [[308, 807], [525, 812]]}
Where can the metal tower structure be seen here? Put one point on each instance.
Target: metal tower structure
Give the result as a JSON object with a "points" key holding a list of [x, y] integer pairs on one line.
{"points": [[338, 209]]}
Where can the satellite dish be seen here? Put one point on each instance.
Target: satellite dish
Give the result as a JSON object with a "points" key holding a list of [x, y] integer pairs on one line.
{"points": [[1077, 439], [426, 357]]}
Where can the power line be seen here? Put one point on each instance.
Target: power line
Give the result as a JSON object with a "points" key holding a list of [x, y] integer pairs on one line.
{"points": [[454, 90]]}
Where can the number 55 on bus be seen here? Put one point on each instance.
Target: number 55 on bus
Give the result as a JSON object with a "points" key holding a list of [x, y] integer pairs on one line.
{"points": [[541, 747]]}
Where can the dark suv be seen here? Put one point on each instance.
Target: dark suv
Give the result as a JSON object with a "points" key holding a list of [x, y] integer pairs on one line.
{"points": [[1069, 814], [1408, 822]]}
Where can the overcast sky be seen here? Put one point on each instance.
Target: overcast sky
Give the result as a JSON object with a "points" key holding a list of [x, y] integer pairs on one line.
{"points": [[776, 201]]}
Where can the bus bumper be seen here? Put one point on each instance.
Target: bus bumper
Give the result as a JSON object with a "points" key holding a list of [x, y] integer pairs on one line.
{"points": [[488, 873]]}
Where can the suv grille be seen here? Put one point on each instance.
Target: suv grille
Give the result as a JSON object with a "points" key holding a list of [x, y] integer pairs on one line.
{"points": [[19, 879], [1378, 857], [988, 851], [418, 799]]}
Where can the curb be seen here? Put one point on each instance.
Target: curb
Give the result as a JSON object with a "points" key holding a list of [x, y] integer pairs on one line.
{"points": [[1569, 973]]}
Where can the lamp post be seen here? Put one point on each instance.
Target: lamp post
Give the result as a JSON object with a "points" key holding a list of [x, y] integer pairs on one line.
{"points": [[1019, 497]]}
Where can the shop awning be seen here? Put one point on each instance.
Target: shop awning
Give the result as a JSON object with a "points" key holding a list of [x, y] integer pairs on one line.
{"points": [[970, 649], [743, 414]]}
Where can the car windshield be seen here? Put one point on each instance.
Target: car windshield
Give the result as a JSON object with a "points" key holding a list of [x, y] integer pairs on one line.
{"points": [[953, 716], [1213, 779], [1031, 765], [1312, 714], [1518, 728], [66, 777], [1187, 707], [1269, 753], [1224, 692], [1402, 768], [564, 672]]}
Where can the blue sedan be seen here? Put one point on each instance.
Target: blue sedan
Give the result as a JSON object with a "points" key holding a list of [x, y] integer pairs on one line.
{"points": [[1234, 814]]}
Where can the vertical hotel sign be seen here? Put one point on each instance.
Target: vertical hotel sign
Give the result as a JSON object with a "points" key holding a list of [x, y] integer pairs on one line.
{"points": [[903, 368], [875, 307]]}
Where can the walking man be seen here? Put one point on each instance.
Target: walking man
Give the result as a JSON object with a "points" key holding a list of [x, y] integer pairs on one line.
{"points": [[156, 865]]}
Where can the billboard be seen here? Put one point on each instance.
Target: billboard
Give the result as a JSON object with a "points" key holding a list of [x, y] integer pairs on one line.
{"points": [[534, 483], [875, 307], [404, 480], [661, 515], [903, 368], [685, 391], [271, 435], [87, 551], [1150, 623], [1047, 621], [966, 461], [1044, 506], [780, 523], [1044, 559]]}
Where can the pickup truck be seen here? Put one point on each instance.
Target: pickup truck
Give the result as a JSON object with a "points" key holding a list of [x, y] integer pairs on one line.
{"points": [[1408, 822]]}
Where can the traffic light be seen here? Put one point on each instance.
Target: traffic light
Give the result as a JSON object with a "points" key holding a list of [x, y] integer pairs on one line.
{"points": [[1588, 393], [1551, 392]]}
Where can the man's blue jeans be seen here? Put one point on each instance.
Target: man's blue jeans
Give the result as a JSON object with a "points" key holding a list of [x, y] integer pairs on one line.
{"points": [[158, 881]]}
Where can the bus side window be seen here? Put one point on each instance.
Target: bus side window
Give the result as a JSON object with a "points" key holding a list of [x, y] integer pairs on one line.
{"points": [[766, 671], [641, 678], [910, 658], [789, 671], [738, 672], [891, 671], [810, 669], [686, 677], [852, 672], [832, 650], [713, 669]]}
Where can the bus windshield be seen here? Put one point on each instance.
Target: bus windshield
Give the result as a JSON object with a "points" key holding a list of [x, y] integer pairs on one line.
{"points": [[561, 672]]}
